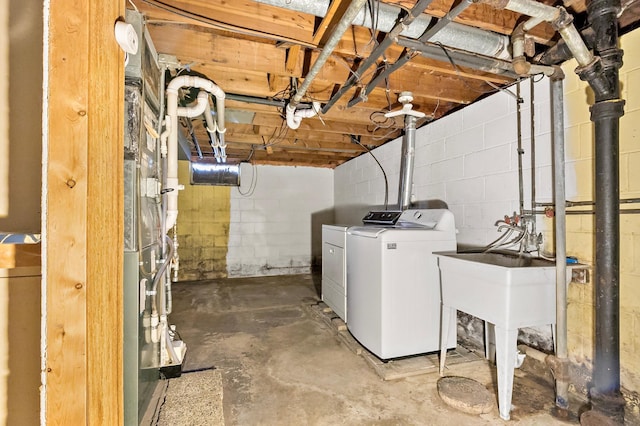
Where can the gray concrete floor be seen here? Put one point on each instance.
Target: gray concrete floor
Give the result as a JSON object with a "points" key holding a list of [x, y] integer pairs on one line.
{"points": [[281, 364]]}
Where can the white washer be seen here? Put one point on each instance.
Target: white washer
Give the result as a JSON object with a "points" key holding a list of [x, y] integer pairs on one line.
{"points": [[394, 300]]}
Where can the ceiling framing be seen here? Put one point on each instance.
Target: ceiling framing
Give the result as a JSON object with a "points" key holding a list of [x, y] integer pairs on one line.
{"points": [[261, 53]]}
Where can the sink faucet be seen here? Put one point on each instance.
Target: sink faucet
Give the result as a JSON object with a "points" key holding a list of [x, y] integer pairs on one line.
{"points": [[522, 229]]}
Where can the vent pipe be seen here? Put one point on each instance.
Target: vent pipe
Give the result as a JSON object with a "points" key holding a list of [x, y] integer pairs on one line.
{"points": [[408, 148], [606, 398]]}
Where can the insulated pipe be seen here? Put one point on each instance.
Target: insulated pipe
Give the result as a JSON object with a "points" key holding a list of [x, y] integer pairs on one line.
{"points": [[173, 111], [407, 162], [333, 41], [455, 35], [462, 58]]}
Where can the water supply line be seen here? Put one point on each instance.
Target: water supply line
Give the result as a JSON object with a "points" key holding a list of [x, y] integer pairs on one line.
{"points": [[173, 111], [293, 120], [559, 364], [520, 151], [532, 144], [601, 71], [408, 148]]}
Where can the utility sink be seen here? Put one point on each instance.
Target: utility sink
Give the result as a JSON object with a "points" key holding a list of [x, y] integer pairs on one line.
{"points": [[505, 289]]}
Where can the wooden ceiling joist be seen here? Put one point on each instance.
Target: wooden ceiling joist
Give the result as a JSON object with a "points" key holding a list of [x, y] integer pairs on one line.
{"points": [[261, 52]]}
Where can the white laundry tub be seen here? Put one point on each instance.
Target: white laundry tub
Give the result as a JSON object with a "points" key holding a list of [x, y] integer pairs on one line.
{"points": [[505, 289]]}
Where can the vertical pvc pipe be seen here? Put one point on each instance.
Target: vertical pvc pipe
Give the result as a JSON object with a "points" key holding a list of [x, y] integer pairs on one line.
{"points": [[562, 380], [406, 166]]}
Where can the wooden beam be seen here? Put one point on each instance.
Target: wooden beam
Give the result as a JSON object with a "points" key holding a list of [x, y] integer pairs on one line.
{"points": [[83, 227], [244, 16], [293, 57], [334, 14], [192, 44]]}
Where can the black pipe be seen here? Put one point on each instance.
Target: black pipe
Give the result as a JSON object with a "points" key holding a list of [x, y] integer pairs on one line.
{"points": [[606, 398]]}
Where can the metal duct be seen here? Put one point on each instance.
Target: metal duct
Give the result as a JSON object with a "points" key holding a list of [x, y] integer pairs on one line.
{"points": [[408, 148], [406, 166], [455, 35]]}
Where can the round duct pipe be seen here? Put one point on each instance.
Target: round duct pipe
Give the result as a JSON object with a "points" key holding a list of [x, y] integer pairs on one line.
{"points": [[454, 35]]}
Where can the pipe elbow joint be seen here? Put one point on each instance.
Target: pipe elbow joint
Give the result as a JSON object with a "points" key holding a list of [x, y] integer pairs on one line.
{"points": [[293, 121], [557, 74], [562, 20], [518, 33], [521, 66]]}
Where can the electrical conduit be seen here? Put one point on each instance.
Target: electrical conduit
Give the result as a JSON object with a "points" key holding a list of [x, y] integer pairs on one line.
{"points": [[293, 121]]}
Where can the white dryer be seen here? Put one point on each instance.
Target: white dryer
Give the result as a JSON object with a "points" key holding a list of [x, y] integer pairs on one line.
{"points": [[394, 298]]}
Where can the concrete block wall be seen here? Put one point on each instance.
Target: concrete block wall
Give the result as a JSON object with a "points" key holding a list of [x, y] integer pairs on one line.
{"points": [[275, 228], [469, 159], [203, 229]]}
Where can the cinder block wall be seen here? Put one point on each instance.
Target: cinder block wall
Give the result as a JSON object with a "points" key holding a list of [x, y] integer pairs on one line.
{"points": [[469, 159], [203, 229], [275, 228]]}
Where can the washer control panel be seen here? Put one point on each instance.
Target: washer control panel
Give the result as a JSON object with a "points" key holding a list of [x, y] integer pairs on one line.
{"points": [[385, 217]]}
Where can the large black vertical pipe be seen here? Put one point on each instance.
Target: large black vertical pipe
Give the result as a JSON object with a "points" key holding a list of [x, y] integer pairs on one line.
{"points": [[606, 398]]}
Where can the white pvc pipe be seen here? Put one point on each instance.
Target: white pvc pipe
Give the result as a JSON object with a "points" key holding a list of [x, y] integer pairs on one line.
{"points": [[173, 111], [294, 116], [202, 102], [211, 129]]}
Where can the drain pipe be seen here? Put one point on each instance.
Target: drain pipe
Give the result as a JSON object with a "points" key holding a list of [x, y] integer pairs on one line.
{"points": [[520, 64], [559, 364], [606, 398], [560, 19], [173, 111], [293, 120]]}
